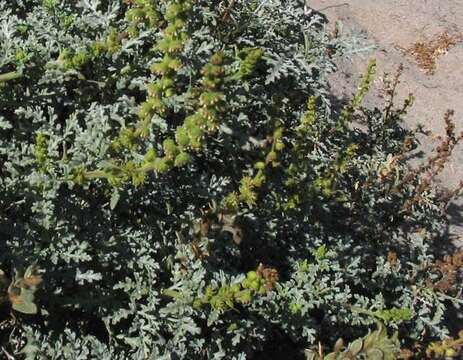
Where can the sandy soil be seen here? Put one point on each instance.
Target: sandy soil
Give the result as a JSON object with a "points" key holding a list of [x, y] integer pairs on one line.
{"points": [[394, 26]]}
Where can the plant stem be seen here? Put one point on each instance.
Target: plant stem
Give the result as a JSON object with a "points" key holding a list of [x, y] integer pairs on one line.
{"points": [[10, 76]]}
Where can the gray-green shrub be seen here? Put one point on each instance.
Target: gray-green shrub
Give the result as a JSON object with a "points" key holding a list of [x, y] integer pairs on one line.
{"points": [[175, 173]]}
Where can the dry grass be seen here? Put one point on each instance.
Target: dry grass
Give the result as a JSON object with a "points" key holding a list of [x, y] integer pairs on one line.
{"points": [[426, 52]]}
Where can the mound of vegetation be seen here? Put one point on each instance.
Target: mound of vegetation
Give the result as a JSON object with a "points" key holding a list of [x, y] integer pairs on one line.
{"points": [[175, 184]]}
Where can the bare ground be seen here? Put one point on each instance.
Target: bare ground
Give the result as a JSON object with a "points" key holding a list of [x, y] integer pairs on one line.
{"points": [[396, 27]]}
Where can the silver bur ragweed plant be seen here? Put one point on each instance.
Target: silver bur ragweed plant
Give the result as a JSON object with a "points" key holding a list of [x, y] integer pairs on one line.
{"points": [[176, 174]]}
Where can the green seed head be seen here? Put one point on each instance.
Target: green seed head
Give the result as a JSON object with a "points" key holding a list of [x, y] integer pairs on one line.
{"points": [[182, 159]]}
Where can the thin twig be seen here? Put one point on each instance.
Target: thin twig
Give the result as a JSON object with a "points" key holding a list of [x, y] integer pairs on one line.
{"points": [[8, 355], [10, 76], [226, 13], [333, 6]]}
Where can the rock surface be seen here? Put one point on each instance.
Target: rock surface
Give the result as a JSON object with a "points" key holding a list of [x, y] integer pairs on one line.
{"points": [[395, 26]]}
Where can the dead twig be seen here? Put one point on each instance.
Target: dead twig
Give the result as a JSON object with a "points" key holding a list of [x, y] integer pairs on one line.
{"points": [[425, 53], [227, 11]]}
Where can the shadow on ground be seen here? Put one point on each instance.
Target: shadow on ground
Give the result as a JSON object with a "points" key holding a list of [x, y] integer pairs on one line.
{"points": [[395, 26]]}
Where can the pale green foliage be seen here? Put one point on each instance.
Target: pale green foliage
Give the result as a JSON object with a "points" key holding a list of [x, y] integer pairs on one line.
{"points": [[177, 172], [377, 345]]}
